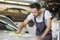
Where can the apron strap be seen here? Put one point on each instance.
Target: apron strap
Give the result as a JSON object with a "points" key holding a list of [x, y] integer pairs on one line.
{"points": [[35, 19], [43, 17]]}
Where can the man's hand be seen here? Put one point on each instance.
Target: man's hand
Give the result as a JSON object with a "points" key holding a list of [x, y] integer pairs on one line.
{"points": [[40, 38], [18, 31], [23, 24]]}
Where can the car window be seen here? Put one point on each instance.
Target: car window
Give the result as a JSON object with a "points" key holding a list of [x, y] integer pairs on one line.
{"points": [[24, 12], [13, 11], [16, 11]]}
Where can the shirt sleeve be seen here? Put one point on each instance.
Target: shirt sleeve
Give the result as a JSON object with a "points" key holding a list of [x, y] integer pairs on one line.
{"points": [[30, 16], [47, 14]]}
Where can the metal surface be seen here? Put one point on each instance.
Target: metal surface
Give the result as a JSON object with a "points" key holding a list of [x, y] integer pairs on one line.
{"points": [[5, 35]]}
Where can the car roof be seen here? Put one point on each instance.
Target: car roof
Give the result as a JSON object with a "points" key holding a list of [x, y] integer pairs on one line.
{"points": [[16, 9]]}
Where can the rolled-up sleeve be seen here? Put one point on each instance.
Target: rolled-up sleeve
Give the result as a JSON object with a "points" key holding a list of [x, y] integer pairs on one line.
{"points": [[47, 14], [30, 16]]}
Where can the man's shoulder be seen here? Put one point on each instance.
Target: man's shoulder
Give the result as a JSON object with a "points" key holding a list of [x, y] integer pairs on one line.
{"points": [[31, 14]]}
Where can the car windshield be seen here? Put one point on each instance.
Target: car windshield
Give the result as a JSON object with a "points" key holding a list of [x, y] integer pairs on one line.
{"points": [[8, 23]]}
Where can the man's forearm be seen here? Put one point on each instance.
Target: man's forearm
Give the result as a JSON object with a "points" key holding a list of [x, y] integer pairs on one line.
{"points": [[48, 27], [46, 31], [21, 26]]}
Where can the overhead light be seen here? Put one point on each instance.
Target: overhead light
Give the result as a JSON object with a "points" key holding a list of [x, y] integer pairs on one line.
{"points": [[2, 0], [11, 1], [23, 3]]}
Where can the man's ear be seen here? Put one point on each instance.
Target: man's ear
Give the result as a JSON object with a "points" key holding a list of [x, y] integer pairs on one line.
{"points": [[40, 11]]}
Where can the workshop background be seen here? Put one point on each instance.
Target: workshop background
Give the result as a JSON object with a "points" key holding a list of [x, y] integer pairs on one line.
{"points": [[13, 12]]}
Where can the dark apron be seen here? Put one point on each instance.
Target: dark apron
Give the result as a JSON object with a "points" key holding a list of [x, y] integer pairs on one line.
{"points": [[41, 27]]}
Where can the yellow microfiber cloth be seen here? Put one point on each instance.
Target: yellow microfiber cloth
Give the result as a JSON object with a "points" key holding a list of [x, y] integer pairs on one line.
{"points": [[14, 34]]}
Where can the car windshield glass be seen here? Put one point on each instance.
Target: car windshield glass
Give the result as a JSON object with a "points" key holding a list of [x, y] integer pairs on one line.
{"points": [[9, 24]]}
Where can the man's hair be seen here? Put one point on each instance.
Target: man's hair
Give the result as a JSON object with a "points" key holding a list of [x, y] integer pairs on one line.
{"points": [[35, 5]]}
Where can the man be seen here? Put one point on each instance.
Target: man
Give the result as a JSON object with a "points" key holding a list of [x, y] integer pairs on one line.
{"points": [[41, 18]]}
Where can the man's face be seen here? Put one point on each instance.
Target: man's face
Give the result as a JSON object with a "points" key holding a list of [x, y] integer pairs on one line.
{"points": [[35, 12]]}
